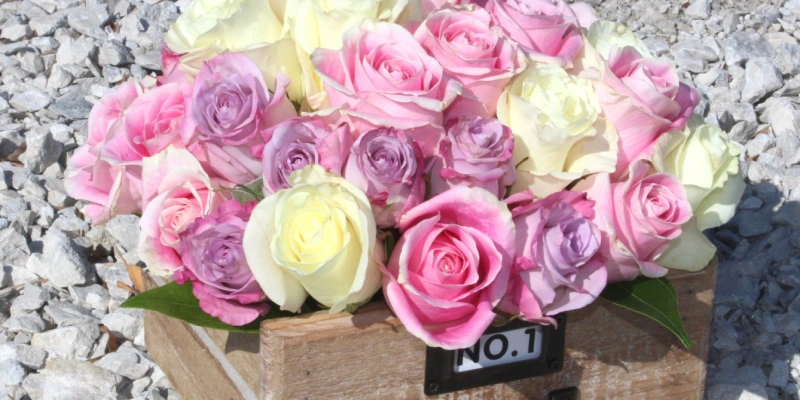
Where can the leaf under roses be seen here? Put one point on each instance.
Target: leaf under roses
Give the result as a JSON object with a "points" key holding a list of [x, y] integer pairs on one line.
{"points": [[653, 298], [177, 301], [249, 192]]}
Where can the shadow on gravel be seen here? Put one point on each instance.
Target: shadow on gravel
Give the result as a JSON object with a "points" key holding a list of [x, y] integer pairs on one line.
{"points": [[757, 301]]}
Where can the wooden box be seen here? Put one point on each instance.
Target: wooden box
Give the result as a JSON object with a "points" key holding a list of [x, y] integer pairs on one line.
{"points": [[611, 354]]}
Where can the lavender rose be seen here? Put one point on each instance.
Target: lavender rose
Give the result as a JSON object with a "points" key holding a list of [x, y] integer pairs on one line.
{"points": [[231, 102], [476, 152], [388, 166], [211, 251], [230, 107], [558, 266], [297, 142]]}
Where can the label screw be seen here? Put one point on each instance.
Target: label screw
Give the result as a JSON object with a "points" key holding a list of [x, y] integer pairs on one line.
{"points": [[433, 387]]}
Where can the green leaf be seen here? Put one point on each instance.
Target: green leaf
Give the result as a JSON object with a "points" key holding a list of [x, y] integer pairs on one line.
{"points": [[653, 298], [177, 301], [249, 192]]}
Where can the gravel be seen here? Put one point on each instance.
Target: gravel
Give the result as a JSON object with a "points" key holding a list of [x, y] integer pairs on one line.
{"points": [[58, 56], [62, 333]]}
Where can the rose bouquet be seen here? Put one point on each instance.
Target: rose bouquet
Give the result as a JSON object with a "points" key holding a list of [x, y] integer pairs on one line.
{"points": [[466, 161]]}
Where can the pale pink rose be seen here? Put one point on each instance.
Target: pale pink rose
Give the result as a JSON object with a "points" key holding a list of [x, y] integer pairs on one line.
{"points": [[558, 266], [585, 14], [110, 188], [451, 266], [644, 99], [383, 77], [108, 109], [149, 125], [176, 191], [170, 66], [639, 217], [230, 107], [548, 30], [429, 6], [482, 59], [301, 141]]}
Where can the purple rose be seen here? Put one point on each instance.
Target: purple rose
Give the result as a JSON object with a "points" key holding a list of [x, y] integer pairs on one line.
{"points": [[388, 166], [476, 152], [558, 266], [213, 259], [301, 141], [231, 102], [230, 107]]}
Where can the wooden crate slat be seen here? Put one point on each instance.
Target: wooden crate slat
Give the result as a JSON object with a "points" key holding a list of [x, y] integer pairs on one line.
{"points": [[611, 354]]}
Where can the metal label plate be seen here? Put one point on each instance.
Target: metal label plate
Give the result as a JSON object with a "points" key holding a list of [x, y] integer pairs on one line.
{"points": [[514, 351]]}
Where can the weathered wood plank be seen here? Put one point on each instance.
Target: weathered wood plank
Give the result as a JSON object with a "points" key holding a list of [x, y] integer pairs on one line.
{"points": [[203, 363], [611, 354]]}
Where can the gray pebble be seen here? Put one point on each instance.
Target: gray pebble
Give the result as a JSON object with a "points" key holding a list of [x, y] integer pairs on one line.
{"points": [[761, 79], [31, 100], [42, 150]]}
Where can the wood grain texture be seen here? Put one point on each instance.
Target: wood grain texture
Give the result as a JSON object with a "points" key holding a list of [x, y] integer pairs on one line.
{"points": [[193, 368], [611, 354]]}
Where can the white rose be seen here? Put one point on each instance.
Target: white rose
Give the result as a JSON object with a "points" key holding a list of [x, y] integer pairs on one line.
{"points": [[604, 35], [560, 133], [316, 238], [252, 27], [707, 164], [225, 24]]}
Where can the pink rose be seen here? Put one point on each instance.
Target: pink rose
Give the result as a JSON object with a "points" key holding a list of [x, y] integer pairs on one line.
{"points": [[477, 152], [639, 217], [106, 111], [558, 266], [388, 166], [643, 98], [482, 59], [109, 188], [383, 77], [301, 141], [151, 123], [451, 266], [548, 30], [429, 6], [231, 105], [176, 191], [213, 259], [170, 66]]}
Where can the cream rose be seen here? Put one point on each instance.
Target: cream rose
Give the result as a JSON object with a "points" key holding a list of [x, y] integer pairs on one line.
{"points": [[252, 27], [315, 24], [560, 132], [225, 24], [604, 35], [707, 164], [316, 238]]}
